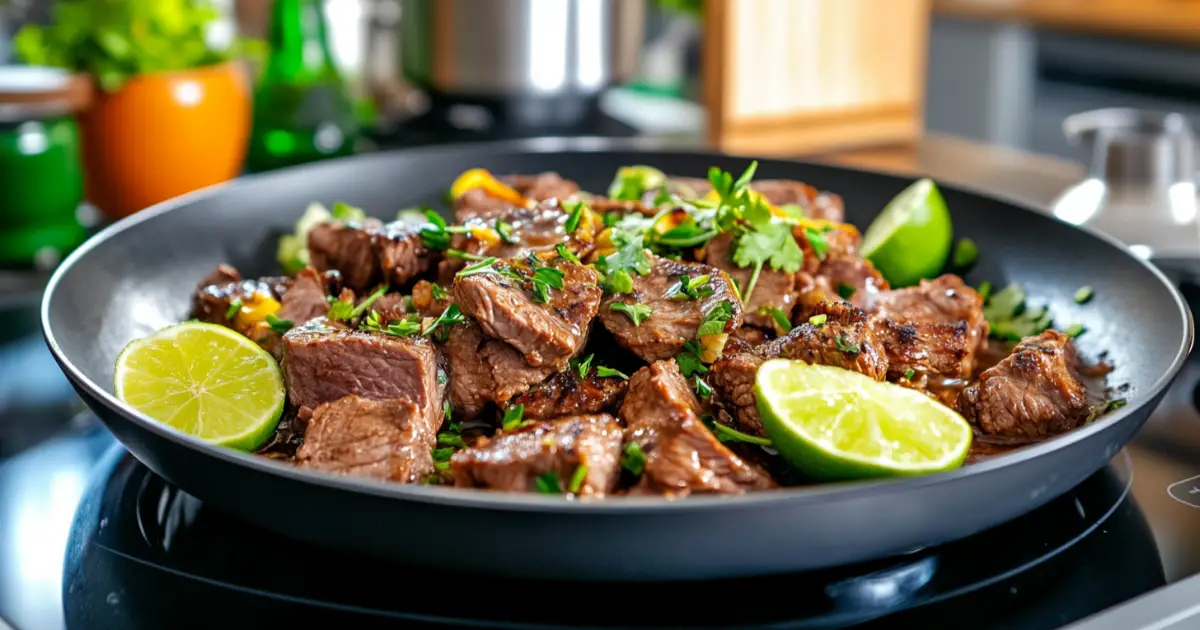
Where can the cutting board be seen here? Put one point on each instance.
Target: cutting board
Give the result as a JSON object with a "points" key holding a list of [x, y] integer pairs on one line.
{"points": [[783, 77]]}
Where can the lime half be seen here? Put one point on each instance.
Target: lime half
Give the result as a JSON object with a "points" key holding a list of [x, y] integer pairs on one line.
{"points": [[834, 424], [911, 238], [205, 380]]}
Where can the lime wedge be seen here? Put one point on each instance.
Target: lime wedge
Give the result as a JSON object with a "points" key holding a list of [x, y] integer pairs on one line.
{"points": [[834, 424], [911, 238], [205, 380]]}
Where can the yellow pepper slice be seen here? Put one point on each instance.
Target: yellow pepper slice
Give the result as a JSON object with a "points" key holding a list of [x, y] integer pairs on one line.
{"points": [[481, 178], [255, 310]]}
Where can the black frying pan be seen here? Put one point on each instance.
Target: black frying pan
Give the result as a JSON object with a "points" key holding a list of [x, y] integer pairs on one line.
{"points": [[139, 274]]}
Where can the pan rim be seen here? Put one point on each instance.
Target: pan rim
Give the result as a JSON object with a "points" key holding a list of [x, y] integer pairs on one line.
{"points": [[532, 502]]}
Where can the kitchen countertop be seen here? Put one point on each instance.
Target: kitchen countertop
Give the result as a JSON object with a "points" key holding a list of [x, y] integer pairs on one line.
{"points": [[1167, 21]]}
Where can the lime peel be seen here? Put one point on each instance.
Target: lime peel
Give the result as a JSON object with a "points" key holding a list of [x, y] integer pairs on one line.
{"points": [[912, 237]]}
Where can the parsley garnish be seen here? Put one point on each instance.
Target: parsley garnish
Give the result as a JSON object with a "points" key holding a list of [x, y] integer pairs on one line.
{"points": [[513, 417], [1083, 295], [817, 320], [634, 458], [729, 434], [689, 359], [565, 253], [341, 310], [619, 266], [544, 279], [578, 478], [636, 312], [715, 319], [769, 242], [436, 233], [280, 326], [780, 319], [817, 240], [458, 253], [234, 307], [576, 209], [548, 483], [504, 229], [449, 318], [846, 291], [909, 374], [439, 293], [583, 367], [844, 345], [483, 266], [702, 389], [690, 288], [606, 372]]}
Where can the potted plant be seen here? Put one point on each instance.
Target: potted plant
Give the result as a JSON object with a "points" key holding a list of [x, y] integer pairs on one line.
{"points": [[170, 109]]}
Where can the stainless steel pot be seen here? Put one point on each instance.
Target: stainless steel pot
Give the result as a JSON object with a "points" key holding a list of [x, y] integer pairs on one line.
{"points": [[519, 49]]}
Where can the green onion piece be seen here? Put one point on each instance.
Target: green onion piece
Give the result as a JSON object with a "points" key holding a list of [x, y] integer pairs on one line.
{"points": [[817, 320], [1083, 295]]}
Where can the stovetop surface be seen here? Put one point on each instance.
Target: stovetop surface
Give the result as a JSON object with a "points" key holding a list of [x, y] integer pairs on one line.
{"points": [[91, 539]]}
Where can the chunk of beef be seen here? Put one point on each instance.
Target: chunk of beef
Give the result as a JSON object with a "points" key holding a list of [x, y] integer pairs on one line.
{"points": [[774, 288], [484, 371], [532, 230], [305, 299], [401, 255], [928, 349], [578, 454], [823, 241], [847, 338], [815, 204], [547, 334], [391, 307], [347, 247], [477, 204], [1033, 393], [745, 338], [662, 417], [383, 439], [428, 300], [732, 378], [945, 300], [674, 317], [218, 291], [323, 363], [565, 394], [842, 277]]}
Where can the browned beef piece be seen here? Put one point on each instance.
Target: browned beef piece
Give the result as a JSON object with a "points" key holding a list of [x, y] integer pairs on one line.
{"points": [[400, 254], [564, 394], [428, 304], [322, 364], [546, 334], [391, 306], [945, 300], [347, 247], [672, 321], [305, 299], [745, 337], [847, 338], [662, 417], [928, 349], [537, 229], [816, 204], [834, 240], [383, 439], [732, 378], [541, 187], [774, 288], [484, 371], [581, 448], [1033, 393]]}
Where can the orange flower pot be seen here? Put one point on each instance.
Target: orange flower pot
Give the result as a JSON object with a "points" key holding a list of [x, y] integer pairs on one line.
{"points": [[165, 134]]}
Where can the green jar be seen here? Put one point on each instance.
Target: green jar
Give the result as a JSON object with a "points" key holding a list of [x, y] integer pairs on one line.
{"points": [[41, 176]]}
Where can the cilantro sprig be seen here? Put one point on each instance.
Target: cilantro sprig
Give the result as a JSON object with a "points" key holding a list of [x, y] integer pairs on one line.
{"points": [[342, 310], [630, 258], [636, 312], [690, 288], [715, 319]]}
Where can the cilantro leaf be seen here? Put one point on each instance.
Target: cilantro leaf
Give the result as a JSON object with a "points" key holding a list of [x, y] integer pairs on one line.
{"points": [[636, 312], [607, 372], [773, 244], [715, 319]]}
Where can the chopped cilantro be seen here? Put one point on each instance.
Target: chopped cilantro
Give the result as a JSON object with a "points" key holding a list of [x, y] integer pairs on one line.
{"points": [[715, 319], [548, 483], [1010, 319], [965, 253], [771, 244], [504, 229], [817, 320], [234, 307], [512, 417], [909, 374], [439, 293], [729, 434], [636, 312], [1083, 295], [278, 325], [575, 208], [341, 310], [691, 288], [1074, 330], [689, 359], [817, 240], [484, 266], [566, 254], [449, 318], [633, 458], [578, 478], [778, 316], [544, 279], [844, 345], [607, 372], [584, 366], [702, 389]]}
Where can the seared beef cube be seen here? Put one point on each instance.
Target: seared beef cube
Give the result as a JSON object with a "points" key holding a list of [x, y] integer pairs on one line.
{"points": [[484, 371], [839, 278], [400, 254], [745, 338], [945, 300], [564, 394], [391, 307], [846, 337], [504, 304], [305, 299], [775, 289], [815, 204], [382, 439], [477, 204], [430, 301], [662, 417], [823, 242], [347, 247], [578, 454], [927, 349], [674, 316], [322, 364], [732, 378], [1033, 393], [530, 230]]}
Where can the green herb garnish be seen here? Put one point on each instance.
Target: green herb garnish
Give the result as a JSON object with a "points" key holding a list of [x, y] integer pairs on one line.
{"points": [[1074, 330], [484, 266], [234, 307], [607, 372], [1083, 295], [818, 242], [636, 312], [341, 310], [278, 325], [844, 345], [715, 319], [817, 320], [578, 478], [965, 253], [548, 483], [583, 367], [779, 317], [566, 254], [690, 288], [513, 417], [702, 389], [544, 279], [633, 458], [729, 434], [504, 229], [1010, 319], [689, 360], [438, 292], [449, 318], [576, 209], [909, 374], [846, 291]]}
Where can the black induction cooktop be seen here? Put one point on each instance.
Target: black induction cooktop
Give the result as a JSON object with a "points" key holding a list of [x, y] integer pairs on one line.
{"points": [[91, 539]]}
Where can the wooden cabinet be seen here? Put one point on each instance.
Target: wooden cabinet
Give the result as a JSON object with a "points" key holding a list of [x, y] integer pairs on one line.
{"points": [[789, 76]]}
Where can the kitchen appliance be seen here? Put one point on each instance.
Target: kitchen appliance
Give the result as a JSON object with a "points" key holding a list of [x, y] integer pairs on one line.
{"points": [[150, 265], [518, 63]]}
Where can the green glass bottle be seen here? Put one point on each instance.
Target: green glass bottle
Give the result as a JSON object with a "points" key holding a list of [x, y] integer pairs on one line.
{"points": [[302, 109]]}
